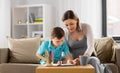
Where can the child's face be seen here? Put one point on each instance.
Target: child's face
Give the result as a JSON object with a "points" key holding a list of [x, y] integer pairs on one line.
{"points": [[57, 42]]}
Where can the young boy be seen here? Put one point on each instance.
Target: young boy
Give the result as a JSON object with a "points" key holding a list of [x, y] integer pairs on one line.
{"points": [[56, 44]]}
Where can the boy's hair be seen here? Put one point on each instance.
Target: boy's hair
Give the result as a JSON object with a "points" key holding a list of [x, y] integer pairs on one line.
{"points": [[57, 32]]}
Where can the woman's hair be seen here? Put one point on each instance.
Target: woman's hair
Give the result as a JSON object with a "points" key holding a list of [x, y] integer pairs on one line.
{"points": [[70, 15], [57, 32]]}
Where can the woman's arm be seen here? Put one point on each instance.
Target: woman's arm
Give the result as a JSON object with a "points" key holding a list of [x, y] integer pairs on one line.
{"points": [[90, 43]]}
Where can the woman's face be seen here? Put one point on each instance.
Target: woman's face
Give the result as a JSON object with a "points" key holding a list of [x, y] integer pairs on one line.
{"points": [[71, 24]]}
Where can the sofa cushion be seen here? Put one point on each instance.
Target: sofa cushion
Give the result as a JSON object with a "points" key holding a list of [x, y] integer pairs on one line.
{"points": [[17, 68], [3, 55], [104, 49], [113, 67], [23, 50]]}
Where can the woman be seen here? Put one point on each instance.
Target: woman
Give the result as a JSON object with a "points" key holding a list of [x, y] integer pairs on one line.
{"points": [[79, 38]]}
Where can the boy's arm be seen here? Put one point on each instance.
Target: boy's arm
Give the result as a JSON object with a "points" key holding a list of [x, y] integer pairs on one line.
{"points": [[67, 53], [41, 57], [69, 57], [41, 51]]}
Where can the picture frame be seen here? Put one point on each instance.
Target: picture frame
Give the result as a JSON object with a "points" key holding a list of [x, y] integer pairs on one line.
{"points": [[37, 34]]}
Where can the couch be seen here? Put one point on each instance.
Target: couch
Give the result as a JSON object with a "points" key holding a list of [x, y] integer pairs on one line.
{"points": [[20, 56], [108, 52]]}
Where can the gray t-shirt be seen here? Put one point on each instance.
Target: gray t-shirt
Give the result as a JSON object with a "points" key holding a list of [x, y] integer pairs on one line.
{"points": [[77, 47], [89, 37]]}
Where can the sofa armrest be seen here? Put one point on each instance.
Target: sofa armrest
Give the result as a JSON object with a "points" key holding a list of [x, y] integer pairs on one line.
{"points": [[3, 55], [117, 50]]}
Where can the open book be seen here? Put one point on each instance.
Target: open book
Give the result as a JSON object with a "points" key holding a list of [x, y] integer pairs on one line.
{"points": [[51, 65], [67, 64]]}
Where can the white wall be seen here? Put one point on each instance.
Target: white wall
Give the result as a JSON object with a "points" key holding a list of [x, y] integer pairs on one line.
{"points": [[89, 11], [4, 22]]}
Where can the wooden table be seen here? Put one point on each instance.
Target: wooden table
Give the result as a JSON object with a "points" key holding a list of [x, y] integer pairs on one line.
{"points": [[66, 69]]}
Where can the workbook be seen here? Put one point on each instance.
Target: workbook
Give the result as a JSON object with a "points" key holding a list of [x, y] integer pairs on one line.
{"points": [[63, 64], [59, 65]]}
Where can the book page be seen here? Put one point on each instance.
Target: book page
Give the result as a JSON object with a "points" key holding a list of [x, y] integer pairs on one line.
{"points": [[63, 64]]}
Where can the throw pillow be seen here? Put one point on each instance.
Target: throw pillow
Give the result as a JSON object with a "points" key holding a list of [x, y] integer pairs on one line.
{"points": [[103, 48], [23, 50]]}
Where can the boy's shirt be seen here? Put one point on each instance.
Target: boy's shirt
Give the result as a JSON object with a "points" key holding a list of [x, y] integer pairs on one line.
{"points": [[47, 46]]}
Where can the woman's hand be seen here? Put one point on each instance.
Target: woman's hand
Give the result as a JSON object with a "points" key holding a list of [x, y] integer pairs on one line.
{"points": [[75, 61], [70, 62]]}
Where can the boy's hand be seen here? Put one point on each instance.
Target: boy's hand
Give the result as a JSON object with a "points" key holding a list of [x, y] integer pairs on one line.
{"points": [[59, 62], [46, 59]]}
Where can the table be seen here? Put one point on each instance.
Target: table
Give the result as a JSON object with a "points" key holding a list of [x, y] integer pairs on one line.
{"points": [[66, 69]]}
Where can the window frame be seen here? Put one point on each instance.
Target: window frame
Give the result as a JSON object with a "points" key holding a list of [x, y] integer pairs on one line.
{"points": [[104, 21]]}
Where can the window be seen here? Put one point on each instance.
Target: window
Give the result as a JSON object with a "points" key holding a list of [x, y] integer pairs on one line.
{"points": [[111, 18]]}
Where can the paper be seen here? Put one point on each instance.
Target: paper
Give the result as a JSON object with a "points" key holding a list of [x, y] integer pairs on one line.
{"points": [[63, 65], [55, 64]]}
